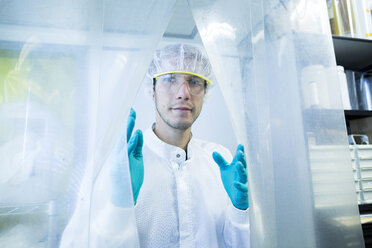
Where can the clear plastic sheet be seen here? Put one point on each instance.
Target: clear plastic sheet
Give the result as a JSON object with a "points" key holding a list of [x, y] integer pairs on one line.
{"points": [[41, 110], [129, 42], [264, 54], [69, 73]]}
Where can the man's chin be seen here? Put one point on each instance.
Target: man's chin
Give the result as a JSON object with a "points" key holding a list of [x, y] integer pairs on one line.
{"points": [[181, 125]]}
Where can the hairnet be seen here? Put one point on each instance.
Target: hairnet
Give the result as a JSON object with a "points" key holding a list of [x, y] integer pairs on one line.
{"points": [[179, 57]]}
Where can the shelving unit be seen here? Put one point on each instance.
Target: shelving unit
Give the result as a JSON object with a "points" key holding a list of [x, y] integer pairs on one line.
{"points": [[357, 114], [353, 53], [354, 115], [356, 54]]}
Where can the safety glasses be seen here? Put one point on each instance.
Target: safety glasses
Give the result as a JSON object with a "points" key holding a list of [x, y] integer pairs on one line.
{"points": [[172, 81]]}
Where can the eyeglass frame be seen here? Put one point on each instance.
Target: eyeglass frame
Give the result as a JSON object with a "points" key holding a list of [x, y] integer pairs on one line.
{"points": [[207, 81]]}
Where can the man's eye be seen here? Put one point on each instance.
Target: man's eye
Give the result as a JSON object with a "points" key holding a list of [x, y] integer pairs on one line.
{"points": [[195, 82], [168, 79], [173, 79]]}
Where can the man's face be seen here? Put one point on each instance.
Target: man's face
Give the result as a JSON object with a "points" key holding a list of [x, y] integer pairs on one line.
{"points": [[178, 107]]}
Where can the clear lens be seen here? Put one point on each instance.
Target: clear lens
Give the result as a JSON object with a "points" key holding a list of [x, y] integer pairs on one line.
{"points": [[173, 81]]}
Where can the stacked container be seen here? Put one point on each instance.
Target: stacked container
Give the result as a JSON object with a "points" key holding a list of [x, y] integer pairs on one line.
{"points": [[361, 156]]}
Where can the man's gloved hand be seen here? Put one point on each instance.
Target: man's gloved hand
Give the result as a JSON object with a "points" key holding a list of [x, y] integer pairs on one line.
{"points": [[234, 177], [118, 171]]}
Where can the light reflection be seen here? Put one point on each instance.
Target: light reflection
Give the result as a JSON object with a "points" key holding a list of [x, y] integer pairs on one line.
{"points": [[305, 17], [217, 30], [259, 36]]}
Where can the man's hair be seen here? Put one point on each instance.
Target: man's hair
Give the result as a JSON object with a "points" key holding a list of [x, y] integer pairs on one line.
{"points": [[179, 57]]}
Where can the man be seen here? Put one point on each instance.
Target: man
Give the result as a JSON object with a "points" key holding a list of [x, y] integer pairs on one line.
{"points": [[182, 197]]}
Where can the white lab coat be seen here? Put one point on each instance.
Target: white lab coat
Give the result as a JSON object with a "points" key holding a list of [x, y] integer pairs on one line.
{"points": [[182, 203]]}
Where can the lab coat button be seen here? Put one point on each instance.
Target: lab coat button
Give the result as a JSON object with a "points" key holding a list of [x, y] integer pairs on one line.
{"points": [[178, 155]]}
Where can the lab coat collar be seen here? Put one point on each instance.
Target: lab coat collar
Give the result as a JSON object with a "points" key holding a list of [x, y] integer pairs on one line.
{"points": [[165, 150]]}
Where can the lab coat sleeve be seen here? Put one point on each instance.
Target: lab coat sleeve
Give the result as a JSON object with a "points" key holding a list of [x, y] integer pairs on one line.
{"points": [[236, 231]]}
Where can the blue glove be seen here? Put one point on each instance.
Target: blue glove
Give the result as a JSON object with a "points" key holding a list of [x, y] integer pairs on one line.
{"points": [[234, 177], [118, 172]]}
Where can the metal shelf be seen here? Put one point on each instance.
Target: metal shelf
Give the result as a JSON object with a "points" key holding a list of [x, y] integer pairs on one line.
{"points": [[365, 208], [353, 53], [357, 114]]}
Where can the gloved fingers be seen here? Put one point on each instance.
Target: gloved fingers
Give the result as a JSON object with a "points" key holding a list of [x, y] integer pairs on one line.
{"points": [[242, 157], [240, 148], [132, 143], [242, 173], [242, 187], [130, 123], [239, 155], [138, 148], [219, 160]]}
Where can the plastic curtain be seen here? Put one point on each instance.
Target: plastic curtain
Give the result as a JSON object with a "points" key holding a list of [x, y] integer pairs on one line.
{"points": [[69, 72], [129, 44], [48, 82], [275, 65]]}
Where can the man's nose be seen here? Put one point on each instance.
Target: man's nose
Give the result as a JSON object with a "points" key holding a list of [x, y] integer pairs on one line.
{"points": [[184, 91]]}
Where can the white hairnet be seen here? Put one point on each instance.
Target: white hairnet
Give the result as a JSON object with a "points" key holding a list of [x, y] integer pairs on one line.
{"points": [[178, 57]]}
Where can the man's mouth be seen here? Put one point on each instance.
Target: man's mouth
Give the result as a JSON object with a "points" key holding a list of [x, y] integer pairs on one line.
{"points": [[182, 108]]}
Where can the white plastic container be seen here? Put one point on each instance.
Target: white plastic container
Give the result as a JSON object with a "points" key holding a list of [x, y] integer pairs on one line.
{"points": [[362, 163], [362, 173], [314, 84], [367, 184], [365, 151], [343, 87], [367, 196], [366, 172]]}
